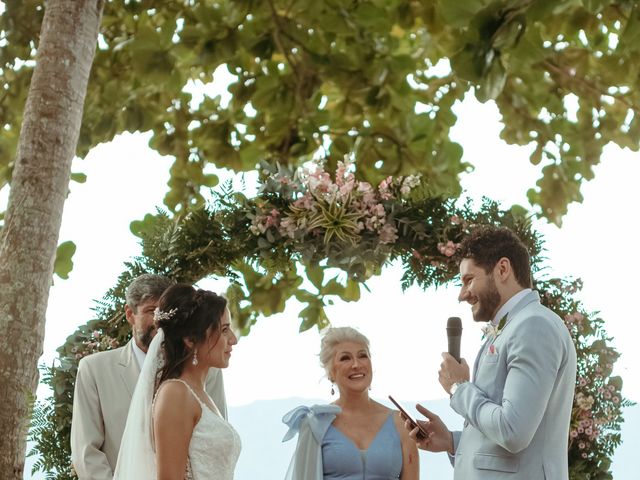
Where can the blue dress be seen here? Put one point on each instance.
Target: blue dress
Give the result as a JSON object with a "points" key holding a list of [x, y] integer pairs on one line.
{"points": [[342, 460]]}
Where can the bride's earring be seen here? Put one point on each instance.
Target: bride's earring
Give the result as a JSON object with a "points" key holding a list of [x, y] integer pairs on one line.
{"points": [[333, 392], [195, 357]]}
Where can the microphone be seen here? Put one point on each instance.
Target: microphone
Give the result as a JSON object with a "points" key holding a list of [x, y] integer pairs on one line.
{"points": [[454, 335]]}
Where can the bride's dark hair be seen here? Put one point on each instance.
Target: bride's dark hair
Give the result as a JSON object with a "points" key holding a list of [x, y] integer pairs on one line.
{"points": [[186, 313]]}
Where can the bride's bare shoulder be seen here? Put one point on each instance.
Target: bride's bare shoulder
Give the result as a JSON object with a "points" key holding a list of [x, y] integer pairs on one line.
{"points": [[174, 397]]}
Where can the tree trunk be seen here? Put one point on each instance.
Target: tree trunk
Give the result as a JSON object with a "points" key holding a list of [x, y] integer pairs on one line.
{"points": [[39, 187]]}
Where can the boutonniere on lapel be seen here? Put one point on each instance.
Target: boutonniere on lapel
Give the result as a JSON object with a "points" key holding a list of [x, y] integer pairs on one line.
{"points": [[493, 331]]}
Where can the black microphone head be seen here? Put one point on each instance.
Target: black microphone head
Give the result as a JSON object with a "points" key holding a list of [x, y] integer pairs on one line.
{"points": [[454, 326]]}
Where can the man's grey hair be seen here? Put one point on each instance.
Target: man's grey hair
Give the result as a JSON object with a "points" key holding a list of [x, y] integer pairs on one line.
{"points": [[144, 287], [334, 336]]}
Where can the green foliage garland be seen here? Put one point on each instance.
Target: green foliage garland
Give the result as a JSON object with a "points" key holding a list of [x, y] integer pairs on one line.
{"points": [[267, 246]]}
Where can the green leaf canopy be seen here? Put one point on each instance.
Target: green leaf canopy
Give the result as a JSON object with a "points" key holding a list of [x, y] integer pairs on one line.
{"points": [[376, 78]]}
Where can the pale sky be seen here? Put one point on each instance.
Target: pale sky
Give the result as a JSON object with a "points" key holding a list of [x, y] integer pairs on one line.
{"points": [[126, 180]]}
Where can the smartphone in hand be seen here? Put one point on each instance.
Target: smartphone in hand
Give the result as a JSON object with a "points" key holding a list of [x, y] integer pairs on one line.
{"points": [[408, 417]]}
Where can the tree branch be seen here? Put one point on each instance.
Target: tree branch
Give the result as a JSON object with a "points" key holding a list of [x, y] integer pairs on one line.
{"points": [[552, 68]]}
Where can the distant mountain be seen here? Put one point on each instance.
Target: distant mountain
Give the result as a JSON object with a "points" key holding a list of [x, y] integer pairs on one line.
{"points": [[265, 457]]}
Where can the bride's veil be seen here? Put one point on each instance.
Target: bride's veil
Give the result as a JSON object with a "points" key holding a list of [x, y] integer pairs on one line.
{"points": [[136, 458]]}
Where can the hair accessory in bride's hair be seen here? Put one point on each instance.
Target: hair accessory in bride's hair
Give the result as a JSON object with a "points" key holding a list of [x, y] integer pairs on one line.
{"points": [[159, 315]]}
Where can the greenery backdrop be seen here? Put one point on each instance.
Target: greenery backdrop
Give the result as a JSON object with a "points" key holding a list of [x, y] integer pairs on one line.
{"points": [[336, 231], [378, 79]]}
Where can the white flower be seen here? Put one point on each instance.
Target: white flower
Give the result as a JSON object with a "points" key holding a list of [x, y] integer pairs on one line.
{"points": [[490, 330], [409, 183]]}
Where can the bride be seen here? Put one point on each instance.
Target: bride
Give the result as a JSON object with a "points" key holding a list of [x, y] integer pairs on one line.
{"points": [[174, 430]]}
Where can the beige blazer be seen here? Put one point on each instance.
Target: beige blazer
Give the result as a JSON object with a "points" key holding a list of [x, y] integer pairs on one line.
{"points": [[104, 386]]}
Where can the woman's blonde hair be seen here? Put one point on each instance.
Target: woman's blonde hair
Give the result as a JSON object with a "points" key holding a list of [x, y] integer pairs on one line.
{"points": [[334, 336]]}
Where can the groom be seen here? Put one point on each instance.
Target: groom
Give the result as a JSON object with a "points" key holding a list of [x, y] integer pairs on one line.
{"points": [[106, 380], [517, 405]]}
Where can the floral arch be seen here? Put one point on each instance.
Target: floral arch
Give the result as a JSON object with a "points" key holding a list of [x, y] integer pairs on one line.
{"points": [[310, 224]]}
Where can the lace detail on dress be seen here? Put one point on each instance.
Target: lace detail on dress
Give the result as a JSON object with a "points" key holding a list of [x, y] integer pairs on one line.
{"points": [[188, 475], [215, 445]]}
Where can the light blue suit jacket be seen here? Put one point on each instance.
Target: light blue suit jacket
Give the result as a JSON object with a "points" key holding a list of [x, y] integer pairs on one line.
{"points": [[518, 406]]}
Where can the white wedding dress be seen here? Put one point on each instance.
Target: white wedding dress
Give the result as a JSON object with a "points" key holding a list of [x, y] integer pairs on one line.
{"points": [[214, 446]]}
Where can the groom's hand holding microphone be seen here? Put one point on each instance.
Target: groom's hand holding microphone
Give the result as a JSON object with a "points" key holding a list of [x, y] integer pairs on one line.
{"points": [[453, 369]]}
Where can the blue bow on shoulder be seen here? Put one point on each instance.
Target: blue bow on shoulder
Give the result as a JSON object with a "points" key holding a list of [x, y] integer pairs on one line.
{"points": [[318, 416]]}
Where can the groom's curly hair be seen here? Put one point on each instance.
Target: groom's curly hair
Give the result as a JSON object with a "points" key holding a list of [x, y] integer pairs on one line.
{"points": [[487, 244]]}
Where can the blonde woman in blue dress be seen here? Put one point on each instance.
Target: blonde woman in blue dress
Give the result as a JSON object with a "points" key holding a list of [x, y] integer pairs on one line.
{"points": [[355, 437]]}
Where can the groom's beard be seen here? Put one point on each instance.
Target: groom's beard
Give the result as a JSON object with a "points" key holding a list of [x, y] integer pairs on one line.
{"points": [[488, 301], [144, 336]]}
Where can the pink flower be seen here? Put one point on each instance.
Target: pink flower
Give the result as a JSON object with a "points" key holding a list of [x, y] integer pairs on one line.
{"points": [[365, 187], [581, 445], [261, 223], [448, 249], [343, 176], [388, 233], [340, 173], [576, 318], [320, 184], [346, 188], [456, 220], [383, 188], [386, 183], [372, 223], [305, 202], [368, 195], [288, 227], [573, 434], [273, 219], [378, 210]]}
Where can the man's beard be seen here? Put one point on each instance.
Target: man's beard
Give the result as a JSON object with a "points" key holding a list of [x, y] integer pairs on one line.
{"points": [[145, 336], [489, 300]]}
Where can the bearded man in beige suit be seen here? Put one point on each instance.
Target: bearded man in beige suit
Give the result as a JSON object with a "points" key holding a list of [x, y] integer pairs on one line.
{"points": [[106, 380]]}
